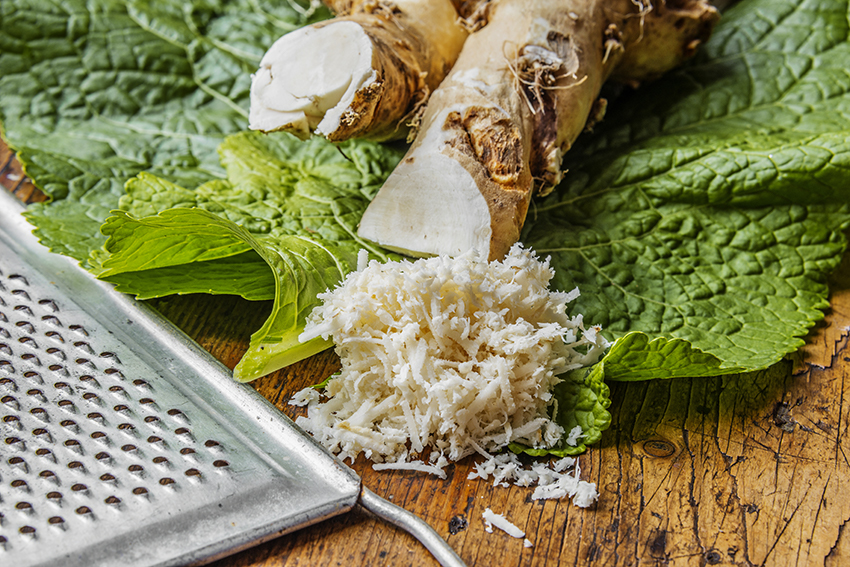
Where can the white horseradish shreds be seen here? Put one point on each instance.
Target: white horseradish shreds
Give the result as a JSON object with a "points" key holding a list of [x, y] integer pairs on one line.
{"points": [[552, 482], [492, 519], [444, 356]]}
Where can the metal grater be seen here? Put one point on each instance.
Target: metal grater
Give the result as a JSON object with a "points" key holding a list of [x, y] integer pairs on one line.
{"points": [[123, 442]]}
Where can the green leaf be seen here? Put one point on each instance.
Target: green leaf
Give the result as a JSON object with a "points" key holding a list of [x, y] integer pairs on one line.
{"points": [[277, 185], [583, 397], [185, 239], [304, 268], [246, 275], [709, 206], [290, 204], [163, 240], [183, 251], [637, 357], [96, 91]]}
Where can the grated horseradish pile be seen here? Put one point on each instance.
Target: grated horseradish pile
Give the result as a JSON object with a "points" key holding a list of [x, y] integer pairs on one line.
{"points": [[446, 357]]}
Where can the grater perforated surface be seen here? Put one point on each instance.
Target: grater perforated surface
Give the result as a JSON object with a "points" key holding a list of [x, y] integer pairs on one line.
{"points": [[86, 443], [121, 442]]}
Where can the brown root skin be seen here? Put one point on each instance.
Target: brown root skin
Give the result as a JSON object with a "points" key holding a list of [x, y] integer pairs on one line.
{"points": [[408, 68], [671, 33], [474, 14], [490, 147], [491, 139], [524, 87], [412, 60], [348, 7]]}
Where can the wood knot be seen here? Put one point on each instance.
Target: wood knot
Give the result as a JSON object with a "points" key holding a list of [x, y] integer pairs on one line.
{"points": [[659, 448], [658, 543]]}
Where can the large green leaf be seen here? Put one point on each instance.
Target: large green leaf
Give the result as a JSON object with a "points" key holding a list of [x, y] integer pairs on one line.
{"points": [[95, 91], [708, 207]]}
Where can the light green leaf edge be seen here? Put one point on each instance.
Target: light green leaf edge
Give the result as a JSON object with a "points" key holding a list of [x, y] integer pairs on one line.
{"points": [[181, 233]]}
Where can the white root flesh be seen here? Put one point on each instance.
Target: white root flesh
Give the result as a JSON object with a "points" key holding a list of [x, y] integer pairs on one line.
{"points": [[365, 73], [326, 82], [523, 88], [427, 218]]}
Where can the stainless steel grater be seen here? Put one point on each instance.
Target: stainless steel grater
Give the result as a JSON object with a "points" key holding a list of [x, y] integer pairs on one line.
{"points": [[122, 442]]}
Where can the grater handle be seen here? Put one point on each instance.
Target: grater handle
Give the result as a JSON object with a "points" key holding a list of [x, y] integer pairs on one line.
{"points": [[412, 524]]}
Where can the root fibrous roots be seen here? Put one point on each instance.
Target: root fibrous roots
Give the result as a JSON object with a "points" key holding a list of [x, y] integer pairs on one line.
{"points": [[538, 68]]}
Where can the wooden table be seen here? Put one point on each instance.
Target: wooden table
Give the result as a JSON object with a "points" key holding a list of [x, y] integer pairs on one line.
{"points": [[741, 470]]}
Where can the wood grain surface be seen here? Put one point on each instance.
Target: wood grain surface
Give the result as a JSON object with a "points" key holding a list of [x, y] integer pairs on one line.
{"points": [[735, 470]]}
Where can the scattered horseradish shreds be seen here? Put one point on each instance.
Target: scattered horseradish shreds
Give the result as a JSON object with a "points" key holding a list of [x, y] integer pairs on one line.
{"points": [[498, 520], [552, 482], [492, 519], [445, 357]]}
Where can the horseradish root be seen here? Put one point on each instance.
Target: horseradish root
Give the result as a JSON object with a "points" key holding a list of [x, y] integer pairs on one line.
{"points": [[523, 88], [364, 73]]}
